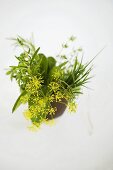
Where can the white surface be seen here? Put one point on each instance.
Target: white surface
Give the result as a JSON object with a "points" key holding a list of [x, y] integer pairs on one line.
{"points": [[73, 143]]}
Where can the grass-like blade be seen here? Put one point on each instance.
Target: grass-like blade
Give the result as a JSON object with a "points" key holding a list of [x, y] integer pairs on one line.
{"points": [[34, 55], [18, 102]]}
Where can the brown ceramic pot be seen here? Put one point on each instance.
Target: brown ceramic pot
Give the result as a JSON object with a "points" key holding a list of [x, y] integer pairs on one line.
{"points": [[60, 108]]}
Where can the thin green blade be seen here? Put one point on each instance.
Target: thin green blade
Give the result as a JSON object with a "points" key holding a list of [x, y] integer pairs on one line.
{"points": [[18, 102]]}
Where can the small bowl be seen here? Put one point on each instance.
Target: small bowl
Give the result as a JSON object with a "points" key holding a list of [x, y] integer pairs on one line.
{"points": [[61, 107]]}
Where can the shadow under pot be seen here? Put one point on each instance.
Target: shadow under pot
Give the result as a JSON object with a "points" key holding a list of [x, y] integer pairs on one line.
{"points": [[61, 107]]}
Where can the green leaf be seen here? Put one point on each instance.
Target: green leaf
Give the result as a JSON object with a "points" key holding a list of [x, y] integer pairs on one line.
{"points": [[43, 64], [63, 64], [34, 55], [63, 56], [8, 72], [65, 45], [72, 38], [51, 63], [79, 49], [18, 102], [75, 64]]}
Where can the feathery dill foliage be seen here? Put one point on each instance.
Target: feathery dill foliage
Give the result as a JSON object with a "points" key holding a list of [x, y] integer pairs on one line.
{"points": [[43, 80]]}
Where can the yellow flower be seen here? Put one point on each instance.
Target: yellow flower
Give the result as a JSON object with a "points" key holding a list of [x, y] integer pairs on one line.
{"points": [[72, 106], [58, 96], [24, 99], [33, 109], [33, 128], [56, 75], [27, 114], [42, 102], [33, 85], [50, 122], [51, 98], [54, 86], [52, 110]]}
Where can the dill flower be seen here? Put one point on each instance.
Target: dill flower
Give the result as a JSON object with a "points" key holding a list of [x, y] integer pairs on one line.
{"points": [[35, 109], [42, 102], [72, 106], [54, 86], [50, 122], [52, 110], [27, 114], [33, 85], [51, 98], [68, 94], [33, 127], [58, 96], [24, 99], [57, 74], [32, 109]]}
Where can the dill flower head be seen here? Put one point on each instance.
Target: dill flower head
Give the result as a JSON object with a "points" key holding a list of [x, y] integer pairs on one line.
{"points": [[72, 106], [59, 96], [54, 86], [50, 122], [41, 102], [27, 114], [52, 110], [33, 85], [51, 98], [24, 99], [34, 127], [57, 74]]}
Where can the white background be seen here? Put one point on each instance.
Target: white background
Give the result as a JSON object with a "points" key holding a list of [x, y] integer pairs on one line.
{"points": [[82, 141]]}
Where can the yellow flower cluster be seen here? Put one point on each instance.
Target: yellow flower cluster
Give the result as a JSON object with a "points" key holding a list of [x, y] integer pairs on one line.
{"points": [[57, 74], [52, 110], [27, 114], [24, 99], [54, 86], [50, 122], [34, 127], [72, 106], [40, 106], [59, 96], [33, 85], [42, 102], [67, 94], [51, 98]]}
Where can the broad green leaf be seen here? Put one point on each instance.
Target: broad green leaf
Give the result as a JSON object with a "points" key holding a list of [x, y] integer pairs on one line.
{"points": [[51, 63], [43, 64]]}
